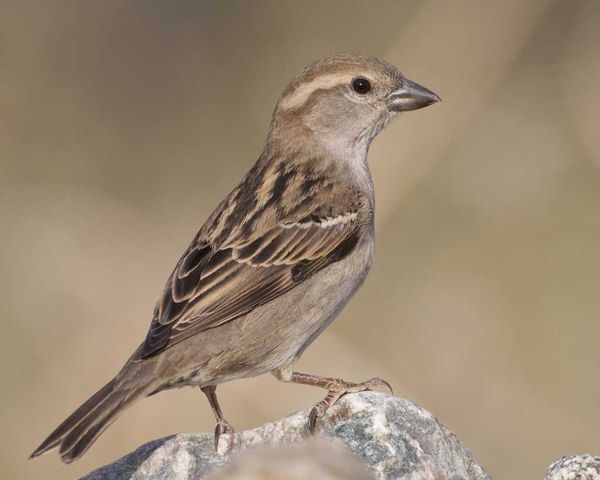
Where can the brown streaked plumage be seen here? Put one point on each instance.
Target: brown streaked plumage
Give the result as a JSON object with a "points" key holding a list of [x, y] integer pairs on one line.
{"points": [[276, 261]]}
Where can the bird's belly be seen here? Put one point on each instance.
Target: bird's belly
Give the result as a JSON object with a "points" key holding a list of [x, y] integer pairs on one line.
{"points": [[273, 335]]}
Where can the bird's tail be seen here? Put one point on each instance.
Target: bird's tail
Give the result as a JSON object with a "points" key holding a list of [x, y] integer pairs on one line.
{"points": [[77, 433]]}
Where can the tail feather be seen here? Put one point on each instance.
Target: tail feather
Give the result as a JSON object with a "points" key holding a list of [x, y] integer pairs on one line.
{"points": [[78, 441], [77, 433]]}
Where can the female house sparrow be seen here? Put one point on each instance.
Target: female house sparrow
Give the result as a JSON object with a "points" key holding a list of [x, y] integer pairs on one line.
{"points": [[276, 261]]}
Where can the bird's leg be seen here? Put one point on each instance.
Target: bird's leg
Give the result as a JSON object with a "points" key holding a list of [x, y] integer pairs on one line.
{"points": [[336, 388], [224, 433]]}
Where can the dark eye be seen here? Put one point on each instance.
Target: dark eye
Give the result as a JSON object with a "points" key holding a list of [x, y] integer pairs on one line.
{"points": [[361, 85]]}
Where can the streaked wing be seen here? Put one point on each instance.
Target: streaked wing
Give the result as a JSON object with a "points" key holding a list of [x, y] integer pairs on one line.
{"points": [[213, 285]]}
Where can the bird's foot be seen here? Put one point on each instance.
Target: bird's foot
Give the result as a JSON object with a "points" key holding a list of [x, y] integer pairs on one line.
{"points": [[337, 389], [224, 437]]}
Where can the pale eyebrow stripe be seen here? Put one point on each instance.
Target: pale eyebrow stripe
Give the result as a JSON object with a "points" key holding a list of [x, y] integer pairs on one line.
{"points": [[299, 96]]}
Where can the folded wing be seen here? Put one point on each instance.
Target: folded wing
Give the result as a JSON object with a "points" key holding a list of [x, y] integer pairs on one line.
{"points": [[212, 285]]}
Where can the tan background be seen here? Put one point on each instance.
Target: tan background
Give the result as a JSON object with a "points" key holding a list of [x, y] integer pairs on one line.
{"points": [[122, 124]]}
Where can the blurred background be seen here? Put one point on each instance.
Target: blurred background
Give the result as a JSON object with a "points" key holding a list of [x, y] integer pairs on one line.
{"points": [[124, 123]]}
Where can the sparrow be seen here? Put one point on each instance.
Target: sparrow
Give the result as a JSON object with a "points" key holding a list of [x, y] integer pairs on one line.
{"points": [[276, 261]]}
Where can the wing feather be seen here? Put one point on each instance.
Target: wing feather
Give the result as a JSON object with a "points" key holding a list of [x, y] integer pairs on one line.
{"points": [[228, 272]]}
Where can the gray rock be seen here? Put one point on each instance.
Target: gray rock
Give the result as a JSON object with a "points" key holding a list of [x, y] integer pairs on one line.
{"points": [[317, 458], [394, 438], [575, 467]]}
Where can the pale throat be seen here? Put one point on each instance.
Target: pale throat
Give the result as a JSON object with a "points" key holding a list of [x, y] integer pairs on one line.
{"points": [[351, 156]]}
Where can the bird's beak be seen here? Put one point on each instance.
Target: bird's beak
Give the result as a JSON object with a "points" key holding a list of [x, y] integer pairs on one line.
{"points": [[411, 96]]}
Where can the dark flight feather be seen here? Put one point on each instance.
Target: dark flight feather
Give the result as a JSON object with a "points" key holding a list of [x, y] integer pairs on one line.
{"points": [[229, 271]]}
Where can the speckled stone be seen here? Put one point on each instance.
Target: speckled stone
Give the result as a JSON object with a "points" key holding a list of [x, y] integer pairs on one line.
{"points": [[393, 437], [575, 467], [314, 459]]}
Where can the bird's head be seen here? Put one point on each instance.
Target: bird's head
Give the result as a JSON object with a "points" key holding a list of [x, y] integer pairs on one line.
{"points": [[344, 101]]}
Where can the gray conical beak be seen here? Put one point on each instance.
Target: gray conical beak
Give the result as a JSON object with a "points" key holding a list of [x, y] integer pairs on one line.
{"points": [[411, 96]]}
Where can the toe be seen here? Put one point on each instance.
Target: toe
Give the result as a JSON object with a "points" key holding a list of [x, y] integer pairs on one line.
{"points": [[224, 442], [380, 382], [224, 438]]}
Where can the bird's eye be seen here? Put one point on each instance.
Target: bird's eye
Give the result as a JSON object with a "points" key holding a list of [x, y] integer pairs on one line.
{"points": [[361, 85]]}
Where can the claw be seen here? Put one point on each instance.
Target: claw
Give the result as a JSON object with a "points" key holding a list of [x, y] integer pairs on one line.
{"points": [[224, 438], [382, 382], [312, 420]]}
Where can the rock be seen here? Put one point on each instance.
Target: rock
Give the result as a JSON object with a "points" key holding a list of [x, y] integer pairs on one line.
{"points": [[575, 467], [317, 458], [392, 437]]}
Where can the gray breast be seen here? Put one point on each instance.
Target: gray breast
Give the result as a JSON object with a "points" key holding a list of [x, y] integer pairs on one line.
{"points": [[287, 325]]}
